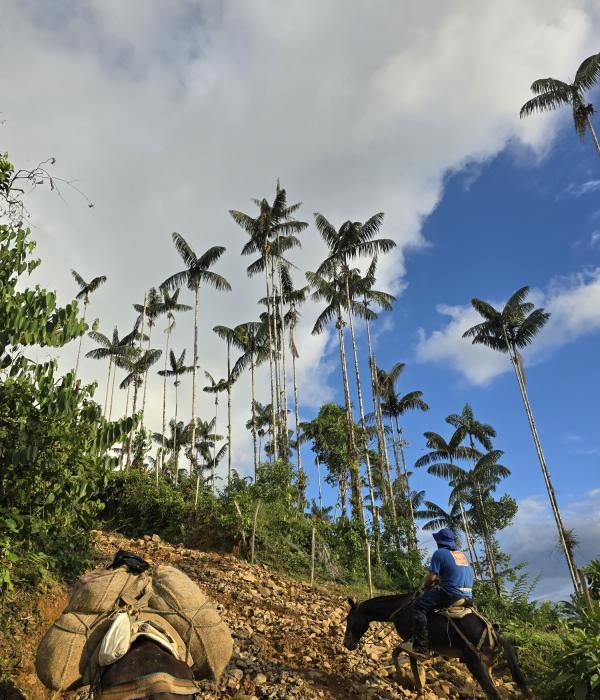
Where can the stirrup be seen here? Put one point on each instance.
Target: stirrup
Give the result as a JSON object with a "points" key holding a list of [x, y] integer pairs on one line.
{"points": [[408, 648]]}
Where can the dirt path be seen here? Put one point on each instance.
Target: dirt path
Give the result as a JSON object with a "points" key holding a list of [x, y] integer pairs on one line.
{"points": [[287, 636]]}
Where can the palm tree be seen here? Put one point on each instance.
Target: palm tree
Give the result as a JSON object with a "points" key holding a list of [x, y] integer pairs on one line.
{"points": [[178, 369], [251, 337], [197, 271], [149, 310], [262, 417], [509, 331], [474, 485], [442, 462], [215, 387], [85, 289], [393, 406], [206, 440], [470, 427], [172, 444], [232, 337], [137, 362], [437, 517], [331, 289], [551, 94], [272, 233], [169, 306], [108, 347]]}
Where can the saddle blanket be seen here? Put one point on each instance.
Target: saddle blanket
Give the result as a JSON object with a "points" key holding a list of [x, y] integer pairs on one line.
{"points": [[152, 684]]}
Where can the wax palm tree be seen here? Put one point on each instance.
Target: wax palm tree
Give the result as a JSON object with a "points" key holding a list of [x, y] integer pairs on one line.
{"points": [[169, 306], [473, 485], [393, 405], [252, 338], [471, 428], [107, 348], [85, 289], [205, 446], [172, 443], [442, 461], [149, 311], [273, 232], [262, 422], [232, 337], [197, 272], [215, 387], [437, 517], [177, 369], [332, 289], [551, 94], [136, 362], [509, 331]]}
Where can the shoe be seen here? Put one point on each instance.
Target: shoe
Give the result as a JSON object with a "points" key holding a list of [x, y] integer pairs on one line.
{"points": [[417, 651]]}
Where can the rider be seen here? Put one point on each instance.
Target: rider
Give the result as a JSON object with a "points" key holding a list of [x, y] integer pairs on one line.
{"points": [[450, 578]]}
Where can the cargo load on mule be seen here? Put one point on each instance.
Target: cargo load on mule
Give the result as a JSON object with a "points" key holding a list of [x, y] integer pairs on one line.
{"points": [[110, 609]]}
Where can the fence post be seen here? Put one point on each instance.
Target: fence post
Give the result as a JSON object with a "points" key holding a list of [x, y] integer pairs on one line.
{"points": [[369, 568], [254, 532], [312, 555]]}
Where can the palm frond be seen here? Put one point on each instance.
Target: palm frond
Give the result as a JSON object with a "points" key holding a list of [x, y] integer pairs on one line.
{"points": [[588, 73], [184, 249]]}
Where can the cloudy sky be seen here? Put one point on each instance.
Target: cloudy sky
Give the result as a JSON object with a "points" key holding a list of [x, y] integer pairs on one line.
{"points": [[170, 114]]}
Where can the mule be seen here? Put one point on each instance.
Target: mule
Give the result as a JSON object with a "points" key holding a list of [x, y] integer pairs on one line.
{"points": [[127, 676], [444, 639]]}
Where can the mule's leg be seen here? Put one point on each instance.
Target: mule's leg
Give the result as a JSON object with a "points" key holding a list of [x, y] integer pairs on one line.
{"points": [[418, 673], [395, 655], [481, 675]]}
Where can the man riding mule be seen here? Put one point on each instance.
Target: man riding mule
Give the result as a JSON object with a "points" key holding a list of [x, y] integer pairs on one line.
{"points": [[450, 579]]}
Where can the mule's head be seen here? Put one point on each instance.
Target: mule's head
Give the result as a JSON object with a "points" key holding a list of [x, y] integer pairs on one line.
{"points": [[357, 624]]}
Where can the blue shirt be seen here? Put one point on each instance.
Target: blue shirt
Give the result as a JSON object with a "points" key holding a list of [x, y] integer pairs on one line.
{"points": [[454, 572]]}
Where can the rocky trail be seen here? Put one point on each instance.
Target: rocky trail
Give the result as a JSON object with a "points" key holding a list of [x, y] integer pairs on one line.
{"points": [[288, 637]]}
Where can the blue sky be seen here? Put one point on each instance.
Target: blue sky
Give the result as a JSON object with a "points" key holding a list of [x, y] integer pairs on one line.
{"points": [[503, 224], [169, 115]]}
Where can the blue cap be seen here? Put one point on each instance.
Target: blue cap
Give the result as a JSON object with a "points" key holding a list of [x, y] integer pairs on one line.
{"points": [[445, 538]]}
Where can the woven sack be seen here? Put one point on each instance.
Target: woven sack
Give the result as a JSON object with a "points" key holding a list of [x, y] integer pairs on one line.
{"points": [[67, 656], [207, 638], [100, 590]]}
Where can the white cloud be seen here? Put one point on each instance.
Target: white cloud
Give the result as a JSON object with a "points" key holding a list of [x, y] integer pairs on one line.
{"points": [[171, 114], [574, 304], [533, 538], [574, 190]]}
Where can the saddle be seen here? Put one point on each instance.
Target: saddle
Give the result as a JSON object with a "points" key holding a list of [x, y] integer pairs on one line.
{"points": [[459, 609]]}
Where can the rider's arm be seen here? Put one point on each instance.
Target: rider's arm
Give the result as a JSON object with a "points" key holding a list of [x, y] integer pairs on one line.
{"points": [[429, 581]]}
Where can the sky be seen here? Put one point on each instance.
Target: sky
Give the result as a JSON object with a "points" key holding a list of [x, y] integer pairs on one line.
{"points": [[169, 115]]}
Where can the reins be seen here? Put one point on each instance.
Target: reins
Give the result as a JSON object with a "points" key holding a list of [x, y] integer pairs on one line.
{"points": [[409, 599]]}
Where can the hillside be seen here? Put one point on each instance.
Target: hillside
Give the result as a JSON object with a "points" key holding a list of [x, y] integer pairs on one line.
{"points": [[288, 637]]}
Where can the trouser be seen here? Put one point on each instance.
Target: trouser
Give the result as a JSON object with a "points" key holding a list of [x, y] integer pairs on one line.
{"points": [[432, 599]]}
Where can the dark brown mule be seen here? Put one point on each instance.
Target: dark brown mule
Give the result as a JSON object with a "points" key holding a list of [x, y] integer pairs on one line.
{"points": [[144, 658]]}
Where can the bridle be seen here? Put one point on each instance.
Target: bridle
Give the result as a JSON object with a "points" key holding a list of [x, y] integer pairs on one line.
{"points": [[409, 599]]}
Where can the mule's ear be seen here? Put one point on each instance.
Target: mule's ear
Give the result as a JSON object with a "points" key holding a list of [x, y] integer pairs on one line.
{"points": [[352, 602]]}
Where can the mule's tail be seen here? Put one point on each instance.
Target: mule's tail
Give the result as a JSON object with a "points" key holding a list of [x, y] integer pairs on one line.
{"points": [[513, 665]]}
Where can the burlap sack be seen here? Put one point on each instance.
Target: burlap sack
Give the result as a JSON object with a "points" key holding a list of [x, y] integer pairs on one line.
{"points": [[67, 656], [99, 591], [207, 638]]}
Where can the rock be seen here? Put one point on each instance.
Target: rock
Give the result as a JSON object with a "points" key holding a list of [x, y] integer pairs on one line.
{"points": [[260, 679], [156, 538]]}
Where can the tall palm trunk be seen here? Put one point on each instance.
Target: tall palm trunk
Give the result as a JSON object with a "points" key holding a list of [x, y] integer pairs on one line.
{"points": [[319, 483], [550, 489], [126, 416], [593, 133], [214, 462], [253, 412], [381, 438], [489, 549], [413, 524], [164, 411], [110, 362], [194, 372], [357, 500], [112, 390], [150, 326], [284, 403], [130, 445], [85, 305], [361, 411], [301, 474], [278, 378], [175, 448], [470, 544], [228, 413], [271, 358]]}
